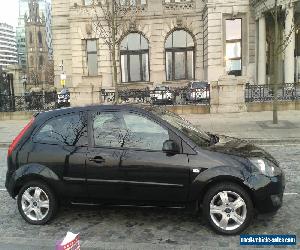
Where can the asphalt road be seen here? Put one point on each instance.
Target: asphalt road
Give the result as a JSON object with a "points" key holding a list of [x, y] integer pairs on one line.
{"points": [[146, 228]]}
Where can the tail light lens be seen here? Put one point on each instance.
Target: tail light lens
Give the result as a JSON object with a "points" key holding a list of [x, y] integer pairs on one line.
{"points": [[18, 138]]}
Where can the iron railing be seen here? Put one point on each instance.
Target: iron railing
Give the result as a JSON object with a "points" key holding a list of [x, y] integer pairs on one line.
{"points": [[176, 96], [265, 93], [28, 102]]}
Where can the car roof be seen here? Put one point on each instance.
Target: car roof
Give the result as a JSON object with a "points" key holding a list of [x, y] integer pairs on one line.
{"points": [[62, 111]]}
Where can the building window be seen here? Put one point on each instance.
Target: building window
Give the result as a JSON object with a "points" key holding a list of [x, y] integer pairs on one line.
{"points": [[177, 1], [88, 2], [92, 57], [180, 49], [132, 2], [40, 40], [30, 37], [31, 61], [41, 61], [134, 50], [233, 55]]}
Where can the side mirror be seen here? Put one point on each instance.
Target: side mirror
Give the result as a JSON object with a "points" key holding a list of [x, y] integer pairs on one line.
{"points": [[170, 147]]}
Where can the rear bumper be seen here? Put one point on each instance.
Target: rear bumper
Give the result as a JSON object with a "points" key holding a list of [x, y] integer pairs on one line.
{"points": [[268, 192], [9, 184]]}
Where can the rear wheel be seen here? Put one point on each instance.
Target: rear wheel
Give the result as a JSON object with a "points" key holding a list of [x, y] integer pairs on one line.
{"points": [[228, 208], [37, 203]]}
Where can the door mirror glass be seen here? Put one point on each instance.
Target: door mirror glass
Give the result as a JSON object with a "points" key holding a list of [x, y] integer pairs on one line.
{"points": [[171, 147]]}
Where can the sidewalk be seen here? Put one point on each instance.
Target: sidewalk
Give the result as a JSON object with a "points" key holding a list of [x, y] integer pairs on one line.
{"points": [[254, 126]]}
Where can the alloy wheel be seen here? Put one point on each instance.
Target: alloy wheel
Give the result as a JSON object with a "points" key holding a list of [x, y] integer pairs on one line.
{"points": [[228, 210], [35, 203]]}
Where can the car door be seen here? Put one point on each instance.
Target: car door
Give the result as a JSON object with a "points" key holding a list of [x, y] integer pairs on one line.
{"points": [[103, 158], [60, 144], [149, 173]]}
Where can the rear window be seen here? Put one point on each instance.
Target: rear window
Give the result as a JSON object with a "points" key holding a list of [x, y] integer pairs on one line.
{"points": [[67, 130]]}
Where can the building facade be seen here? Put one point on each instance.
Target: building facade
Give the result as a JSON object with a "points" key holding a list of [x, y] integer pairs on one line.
{"points": [[44, 9], [289, 27], [169, 42], [8, 48]]}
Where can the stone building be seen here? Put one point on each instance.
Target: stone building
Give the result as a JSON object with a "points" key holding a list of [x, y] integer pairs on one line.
{"points": [[37, 49], [168, 42], [44, 9]]}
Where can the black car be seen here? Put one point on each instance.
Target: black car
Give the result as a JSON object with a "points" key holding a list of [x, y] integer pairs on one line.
{"points": [[139, 156]]}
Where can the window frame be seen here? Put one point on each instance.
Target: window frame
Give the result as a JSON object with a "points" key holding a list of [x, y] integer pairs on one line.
{"points": [[175, 50], [92, 136], [129, 53], [84, 3], [91, 53], [231, 41]]}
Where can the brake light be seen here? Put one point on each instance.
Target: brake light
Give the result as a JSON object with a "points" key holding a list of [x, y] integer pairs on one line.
{"points": [[18, 138]]}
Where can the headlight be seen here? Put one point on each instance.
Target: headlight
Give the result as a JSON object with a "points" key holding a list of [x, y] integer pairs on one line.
{"points": [[266, 167]]}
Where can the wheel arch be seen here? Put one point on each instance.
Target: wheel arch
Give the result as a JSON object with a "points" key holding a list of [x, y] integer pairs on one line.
{"points": [[34, 172], [221, 179]]}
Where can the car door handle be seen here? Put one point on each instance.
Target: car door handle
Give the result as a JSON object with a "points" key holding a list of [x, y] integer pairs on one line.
{"points": [[97, 159]]}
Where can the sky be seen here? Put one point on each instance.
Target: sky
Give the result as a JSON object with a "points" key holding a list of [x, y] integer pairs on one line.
{"points": [[9, 12]]}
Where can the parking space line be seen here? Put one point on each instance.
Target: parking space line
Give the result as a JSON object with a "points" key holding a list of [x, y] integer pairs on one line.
{"points": [[290, 193]]}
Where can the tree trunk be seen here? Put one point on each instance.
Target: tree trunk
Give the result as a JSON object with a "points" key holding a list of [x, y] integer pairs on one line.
{"points": [[113, 52]]}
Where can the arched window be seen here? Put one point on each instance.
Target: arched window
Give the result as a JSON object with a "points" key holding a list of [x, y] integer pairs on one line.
{"points": [[134, 50], [180, 51], [31, 61], [30, 37], [41, 61], [40, 38]]}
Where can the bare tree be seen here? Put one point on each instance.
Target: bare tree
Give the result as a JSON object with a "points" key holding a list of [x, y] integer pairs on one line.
{"points": [[111, 19]]}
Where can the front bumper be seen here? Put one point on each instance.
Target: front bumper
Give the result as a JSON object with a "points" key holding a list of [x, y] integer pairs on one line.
{"points": [[267, 192]]}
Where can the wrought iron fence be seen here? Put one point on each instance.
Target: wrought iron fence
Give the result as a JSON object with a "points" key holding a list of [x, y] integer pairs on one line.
{"points": [[28, 102], [167, 96], [265, 93]]}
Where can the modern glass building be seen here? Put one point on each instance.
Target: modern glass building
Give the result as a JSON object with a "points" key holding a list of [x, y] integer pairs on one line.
{"points": [[8, 48]]}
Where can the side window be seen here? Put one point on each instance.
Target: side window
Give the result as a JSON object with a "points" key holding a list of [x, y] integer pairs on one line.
{"points": [[144, 133], [107, 127], [67, 130], [128, 130]]}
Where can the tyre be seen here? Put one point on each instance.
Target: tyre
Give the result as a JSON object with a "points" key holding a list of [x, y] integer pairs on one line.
{"points": [[228, 208], [37, 203]]}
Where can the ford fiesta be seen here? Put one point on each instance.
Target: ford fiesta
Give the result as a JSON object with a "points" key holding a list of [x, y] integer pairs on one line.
{"points": [[139, 156]]}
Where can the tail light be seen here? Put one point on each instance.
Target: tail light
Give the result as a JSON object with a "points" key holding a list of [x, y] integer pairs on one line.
{"points": [[18, 138]]}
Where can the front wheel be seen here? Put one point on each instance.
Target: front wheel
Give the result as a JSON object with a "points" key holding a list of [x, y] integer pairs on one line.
{"points": [[37, 203], [228, 208]]}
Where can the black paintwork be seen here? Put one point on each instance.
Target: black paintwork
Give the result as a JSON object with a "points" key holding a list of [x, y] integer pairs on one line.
{"points": [[83, 172]]}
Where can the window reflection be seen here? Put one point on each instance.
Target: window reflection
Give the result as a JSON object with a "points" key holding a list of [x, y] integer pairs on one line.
{"points": [[234, 46], [92, 58], [179, 56], [134, 50]]}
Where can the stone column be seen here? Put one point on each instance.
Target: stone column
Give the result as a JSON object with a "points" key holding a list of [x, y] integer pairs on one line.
{"points": [[261, 79], [289, 55]]}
